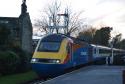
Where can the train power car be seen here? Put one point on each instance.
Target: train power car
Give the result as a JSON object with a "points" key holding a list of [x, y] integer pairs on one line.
{"points": [[56, 52]]}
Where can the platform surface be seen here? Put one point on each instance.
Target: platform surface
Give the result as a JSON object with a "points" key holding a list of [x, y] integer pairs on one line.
{"points": [[101, 74]]}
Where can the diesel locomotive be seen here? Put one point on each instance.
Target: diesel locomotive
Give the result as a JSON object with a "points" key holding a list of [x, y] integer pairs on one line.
{"points": [[56, 53]]}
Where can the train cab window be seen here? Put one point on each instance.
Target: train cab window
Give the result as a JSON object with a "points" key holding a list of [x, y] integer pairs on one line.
{"points": [[49, 46]]}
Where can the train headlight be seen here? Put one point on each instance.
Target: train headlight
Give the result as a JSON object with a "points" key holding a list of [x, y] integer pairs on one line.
{"points": [[34, 60], [55, 61]]}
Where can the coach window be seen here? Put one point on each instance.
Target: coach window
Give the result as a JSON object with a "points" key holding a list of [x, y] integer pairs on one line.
{"points": [[101, 51], [94, 50]]}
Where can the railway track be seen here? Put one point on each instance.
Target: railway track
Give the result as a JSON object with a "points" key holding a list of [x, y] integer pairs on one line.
{"points": [[37, 82]]}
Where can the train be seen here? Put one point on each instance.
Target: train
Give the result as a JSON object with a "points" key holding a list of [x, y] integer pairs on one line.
{"points": [[56, 53]]}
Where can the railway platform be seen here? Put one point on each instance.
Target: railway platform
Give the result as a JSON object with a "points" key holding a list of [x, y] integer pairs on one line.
{"points": [[94, 74]]}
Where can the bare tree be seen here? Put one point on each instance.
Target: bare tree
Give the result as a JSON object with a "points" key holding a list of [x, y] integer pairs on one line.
{"points": [[41, 25], [50, 13], [74, 23]]}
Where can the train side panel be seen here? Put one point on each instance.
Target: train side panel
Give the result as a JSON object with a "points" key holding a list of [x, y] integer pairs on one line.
{"points": [[80, 54]]}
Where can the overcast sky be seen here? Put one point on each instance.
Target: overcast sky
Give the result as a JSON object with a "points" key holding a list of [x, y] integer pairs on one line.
{"points": [[98, 12]]}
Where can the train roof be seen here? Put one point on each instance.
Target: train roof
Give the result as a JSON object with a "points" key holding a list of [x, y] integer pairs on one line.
{"points": [[118, 49], [105, 47], [53, 38], [60, 37], [99, 46]]}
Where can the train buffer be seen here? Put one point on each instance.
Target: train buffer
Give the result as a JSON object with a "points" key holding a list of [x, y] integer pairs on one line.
{"points": [[91, 75]]}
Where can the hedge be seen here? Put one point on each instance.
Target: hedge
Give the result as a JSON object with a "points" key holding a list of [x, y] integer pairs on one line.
{"points": [[8, 62]]}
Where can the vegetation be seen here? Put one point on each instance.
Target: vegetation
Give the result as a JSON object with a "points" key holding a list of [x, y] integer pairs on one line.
{"points": [[24, 64], [87, 35], [74, 26], [8, 62], [122, 44], [18, 78], [100, 37], [73, 23], [12, 58], [118, 42]]}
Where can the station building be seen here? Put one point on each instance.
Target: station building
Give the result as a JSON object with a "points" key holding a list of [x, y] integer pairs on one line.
{"points": [[20, 28]]}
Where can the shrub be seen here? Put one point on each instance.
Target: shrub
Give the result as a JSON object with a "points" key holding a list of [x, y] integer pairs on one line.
{"points": [[8, 62], [24, 60]]}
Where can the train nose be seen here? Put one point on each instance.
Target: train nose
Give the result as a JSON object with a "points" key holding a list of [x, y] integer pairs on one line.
{"points": [[52, 61], [47, 70]]}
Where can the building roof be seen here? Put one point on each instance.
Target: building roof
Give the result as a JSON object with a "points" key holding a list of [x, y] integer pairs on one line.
{"points": [[10, 21]]}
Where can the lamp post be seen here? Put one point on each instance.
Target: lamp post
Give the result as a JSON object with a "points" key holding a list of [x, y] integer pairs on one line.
{"points": [[112, 52]]}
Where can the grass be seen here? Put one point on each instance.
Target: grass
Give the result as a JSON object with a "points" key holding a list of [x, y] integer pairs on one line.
{"points": [[18, 78]]}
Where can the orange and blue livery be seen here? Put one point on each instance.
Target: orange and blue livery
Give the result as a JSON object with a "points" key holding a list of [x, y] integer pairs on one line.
{"points": [[56, 53]]}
